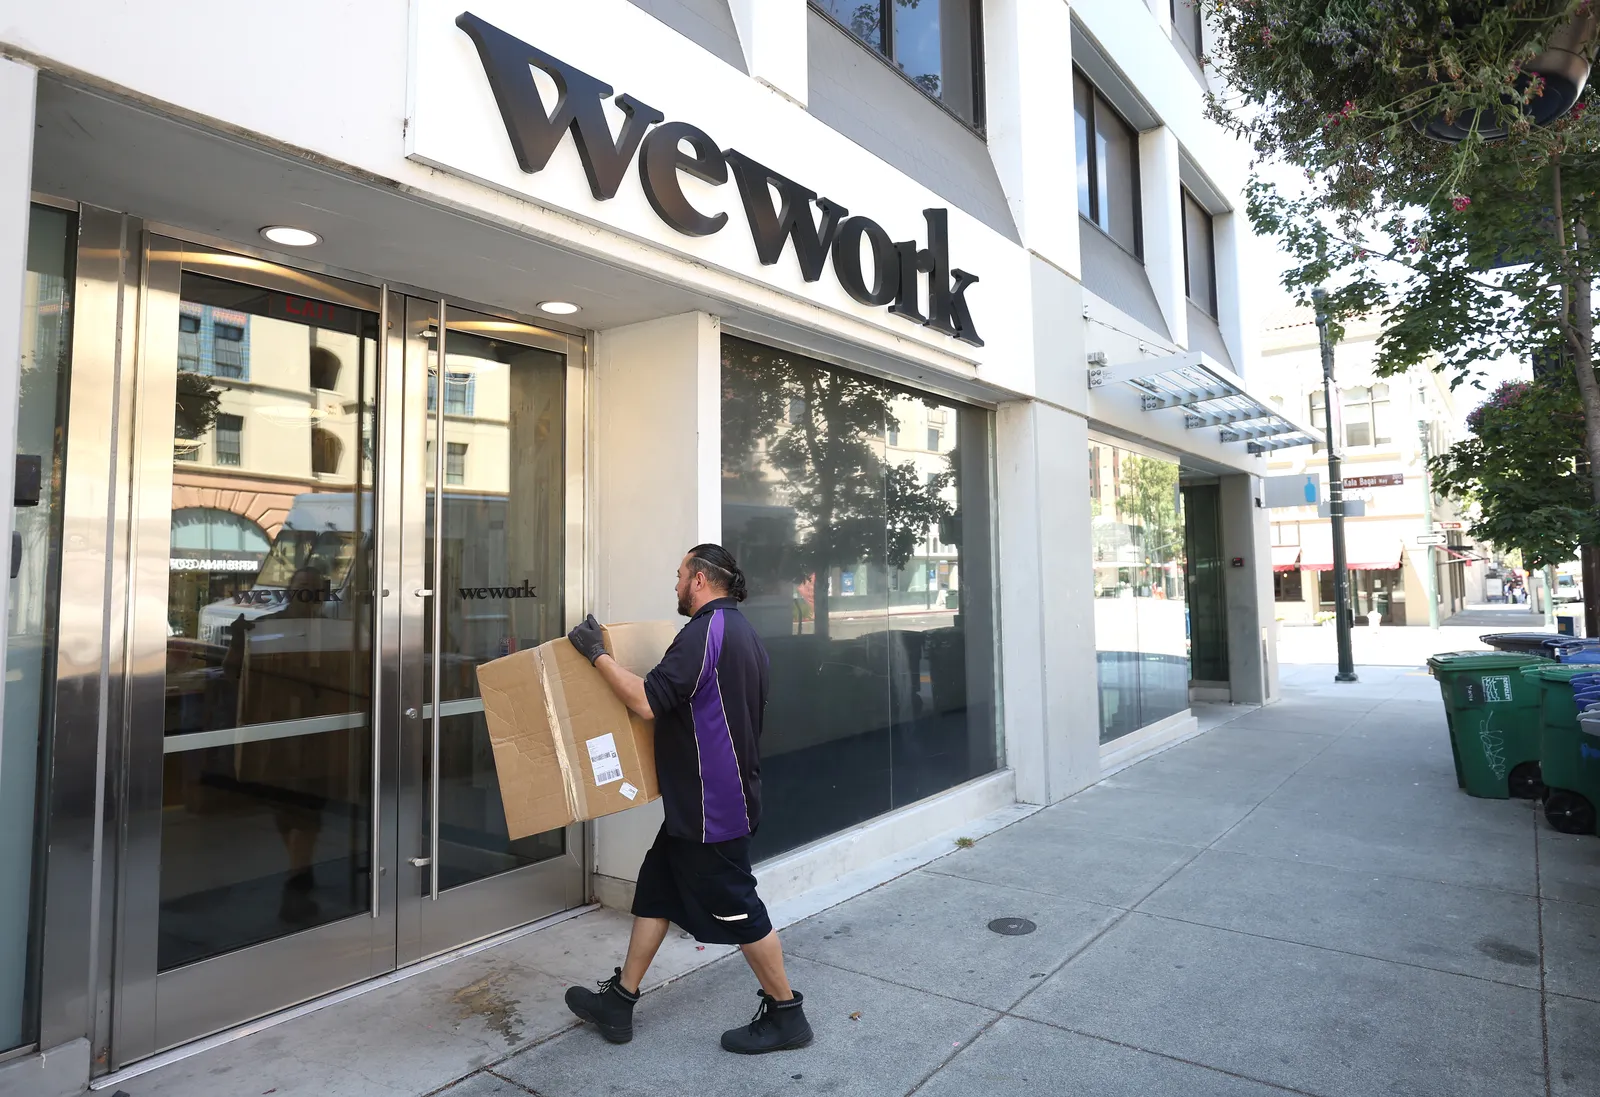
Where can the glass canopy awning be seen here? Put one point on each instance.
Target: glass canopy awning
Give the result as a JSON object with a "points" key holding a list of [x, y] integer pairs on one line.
{"points": [[1210, 396]]}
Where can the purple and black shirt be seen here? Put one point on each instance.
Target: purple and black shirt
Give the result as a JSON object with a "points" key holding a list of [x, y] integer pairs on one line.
{"points": [[708, 695]]}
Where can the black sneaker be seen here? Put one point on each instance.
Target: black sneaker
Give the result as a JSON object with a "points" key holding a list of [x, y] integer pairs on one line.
{"points": [[777, 1026], [611, 1010]]}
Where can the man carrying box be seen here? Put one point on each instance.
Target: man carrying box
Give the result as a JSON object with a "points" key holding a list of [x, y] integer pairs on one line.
{"points": [[707, 698]]}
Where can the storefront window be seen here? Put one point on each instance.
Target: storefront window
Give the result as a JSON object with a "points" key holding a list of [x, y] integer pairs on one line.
{"points": [[1141, 614], [34, 602], [868, 559]]}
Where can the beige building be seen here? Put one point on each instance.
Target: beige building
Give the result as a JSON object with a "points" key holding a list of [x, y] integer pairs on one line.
{"points": [[1386, 423]]}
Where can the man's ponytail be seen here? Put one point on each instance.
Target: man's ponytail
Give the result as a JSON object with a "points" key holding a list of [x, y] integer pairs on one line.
{"points": [[720, 568]]}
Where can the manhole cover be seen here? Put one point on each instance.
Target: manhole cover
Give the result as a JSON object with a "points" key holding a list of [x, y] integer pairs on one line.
{"points": [[1012, 927]]}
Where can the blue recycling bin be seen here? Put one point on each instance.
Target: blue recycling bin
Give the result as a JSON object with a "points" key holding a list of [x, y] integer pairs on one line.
{"points": [[1575, 650]]}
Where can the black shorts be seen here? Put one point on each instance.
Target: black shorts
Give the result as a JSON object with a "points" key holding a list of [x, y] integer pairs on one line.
{"points": [[705, 888]]}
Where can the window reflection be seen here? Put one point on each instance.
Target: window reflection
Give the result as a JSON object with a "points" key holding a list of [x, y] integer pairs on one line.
{"points": [[859, 512], [33, 608], [502, 556], [932, 41], [269, 611], [1141, 616]]}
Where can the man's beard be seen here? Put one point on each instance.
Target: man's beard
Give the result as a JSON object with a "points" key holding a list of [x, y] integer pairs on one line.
{"points": [[684, 610]]}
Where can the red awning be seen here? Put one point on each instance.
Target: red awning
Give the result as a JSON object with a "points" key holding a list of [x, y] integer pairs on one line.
{"points": [[1285, 557], [1369, 546]]}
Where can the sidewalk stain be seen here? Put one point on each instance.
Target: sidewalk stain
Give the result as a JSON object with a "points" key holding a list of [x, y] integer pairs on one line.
{"points": [[487, 998], [1496, 949]]}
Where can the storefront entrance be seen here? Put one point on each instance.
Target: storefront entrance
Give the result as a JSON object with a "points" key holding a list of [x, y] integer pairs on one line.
{"points": [[340, 500]]}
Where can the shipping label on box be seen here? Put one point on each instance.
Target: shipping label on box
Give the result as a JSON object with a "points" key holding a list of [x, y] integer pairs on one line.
{"points": [[566, 749]]}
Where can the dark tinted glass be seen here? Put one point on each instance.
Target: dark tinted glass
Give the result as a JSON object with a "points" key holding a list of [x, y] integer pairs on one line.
{"points": [[868, 563], [1083, 114], [1186, 24], [1199, 252], [1208, 612]]}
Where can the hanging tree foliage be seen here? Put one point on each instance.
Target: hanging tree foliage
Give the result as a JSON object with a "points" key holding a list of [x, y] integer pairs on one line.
{"points": [[1470, 252]]}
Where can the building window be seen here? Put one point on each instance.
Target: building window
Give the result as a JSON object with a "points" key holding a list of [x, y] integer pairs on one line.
{"points": [[844, 544], [1108, 167], [1287, 587], [326, 451], [934, 439], [228, 350], [1367, 417], [935, 43], [459, 394], [455, 462], [230, 429], [1187, 26], [893, 432], [325, 367], [1199, 256], [189, 342]]}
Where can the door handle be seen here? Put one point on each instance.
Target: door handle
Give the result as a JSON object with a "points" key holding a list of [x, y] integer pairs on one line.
{"points": [[420, 862]]}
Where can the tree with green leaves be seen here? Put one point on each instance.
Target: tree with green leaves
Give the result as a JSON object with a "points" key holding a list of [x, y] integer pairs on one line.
{"points": [[1471, 249], [1517, 466]]}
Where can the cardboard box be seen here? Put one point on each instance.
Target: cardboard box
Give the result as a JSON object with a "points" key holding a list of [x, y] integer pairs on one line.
{"points": [[565, 748]]}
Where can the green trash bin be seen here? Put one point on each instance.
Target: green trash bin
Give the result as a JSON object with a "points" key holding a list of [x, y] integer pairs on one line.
{"points": [[1571, 793], [1493, 714], [1572, 807]]}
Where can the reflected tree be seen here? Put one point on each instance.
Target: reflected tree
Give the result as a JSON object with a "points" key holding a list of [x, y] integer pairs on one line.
{"points": [[822, 432], [1151, 496], [196, 411]]}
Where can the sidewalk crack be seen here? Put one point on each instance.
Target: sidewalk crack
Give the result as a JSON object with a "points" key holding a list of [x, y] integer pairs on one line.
{"points": [[1544, 994]]}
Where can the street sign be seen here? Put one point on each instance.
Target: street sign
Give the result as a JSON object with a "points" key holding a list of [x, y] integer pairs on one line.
{"points": [[1292, 491], [1353, 508], [1425, 539], [1383, 480], [1450, 525]]}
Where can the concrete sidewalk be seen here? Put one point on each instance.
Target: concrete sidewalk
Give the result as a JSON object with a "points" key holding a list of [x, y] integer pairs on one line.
{"points": [[1299, 900]]}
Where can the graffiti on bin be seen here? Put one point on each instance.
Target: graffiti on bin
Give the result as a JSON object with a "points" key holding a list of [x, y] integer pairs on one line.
{"points": [[1588, 753], [1494, 748], [1491, 689]]}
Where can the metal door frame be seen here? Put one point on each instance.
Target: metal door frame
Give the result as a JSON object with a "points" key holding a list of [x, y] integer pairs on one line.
{"points": [[118, 499], [431, 921], [153, 1011]]}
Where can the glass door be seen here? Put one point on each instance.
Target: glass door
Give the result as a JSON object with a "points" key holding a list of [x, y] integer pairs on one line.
{"points": [[310, 795], [255, 814], [489, 557]]}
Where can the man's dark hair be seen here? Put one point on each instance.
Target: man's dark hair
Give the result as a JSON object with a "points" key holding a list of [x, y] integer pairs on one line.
{"points": [[720, 569]]}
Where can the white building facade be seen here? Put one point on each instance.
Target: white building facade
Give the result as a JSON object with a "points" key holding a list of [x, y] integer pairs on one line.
{"points": [[934, 314], [1391, 426]]}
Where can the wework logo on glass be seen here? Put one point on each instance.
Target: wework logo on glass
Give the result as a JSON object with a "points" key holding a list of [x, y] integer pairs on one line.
{"points": [[897, 266]]}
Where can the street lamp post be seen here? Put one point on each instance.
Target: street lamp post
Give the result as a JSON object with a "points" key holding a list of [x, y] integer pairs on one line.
{"points": [[1432, 568], [1341, 573]]}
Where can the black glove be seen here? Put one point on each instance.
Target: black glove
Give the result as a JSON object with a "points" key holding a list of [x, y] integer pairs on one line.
{"points": [[588, 639]]}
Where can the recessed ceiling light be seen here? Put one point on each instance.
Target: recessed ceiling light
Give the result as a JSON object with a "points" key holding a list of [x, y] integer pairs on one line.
{"points": [[290, 238], [558, 308]]}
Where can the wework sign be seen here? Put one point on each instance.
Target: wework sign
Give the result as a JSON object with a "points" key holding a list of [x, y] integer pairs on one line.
{"points": [[779, 210]]}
